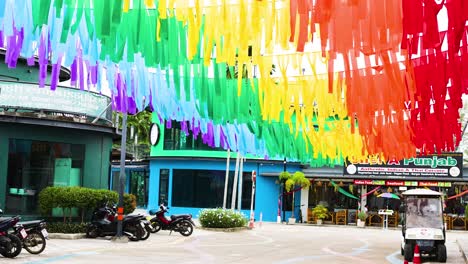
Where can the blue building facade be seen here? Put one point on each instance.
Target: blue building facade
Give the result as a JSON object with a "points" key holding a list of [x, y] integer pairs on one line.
{"points": [[189, 176]]}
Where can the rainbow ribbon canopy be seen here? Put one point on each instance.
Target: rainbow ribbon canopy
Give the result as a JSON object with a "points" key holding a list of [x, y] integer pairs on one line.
{"points": [[318, 82]]}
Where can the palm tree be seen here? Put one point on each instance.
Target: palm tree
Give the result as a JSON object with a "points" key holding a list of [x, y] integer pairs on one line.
{"points": [[138, 127]]}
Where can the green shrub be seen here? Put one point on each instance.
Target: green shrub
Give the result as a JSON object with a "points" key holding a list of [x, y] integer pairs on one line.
{"points": [[68, 228], [466, 211], [320, 211], [222, 218], [85, 199], [129, 203], [362, 215]]}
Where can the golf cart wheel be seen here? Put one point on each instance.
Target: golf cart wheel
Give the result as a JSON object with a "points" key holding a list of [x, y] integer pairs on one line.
{"points": [[409, 252], [441, 253]]}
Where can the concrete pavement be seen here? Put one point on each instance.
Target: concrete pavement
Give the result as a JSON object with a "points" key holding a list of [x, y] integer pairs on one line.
{"points": [[271, 243], [463, 245]]}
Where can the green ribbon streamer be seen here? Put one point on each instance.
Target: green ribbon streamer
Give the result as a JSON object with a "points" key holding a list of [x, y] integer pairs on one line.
{"points": [[342, 191]]}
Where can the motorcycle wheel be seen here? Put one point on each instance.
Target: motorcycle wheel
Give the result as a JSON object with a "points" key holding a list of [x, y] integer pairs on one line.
{"points": [[92, 232], [34, 243], [156, 227], [145, 235], [15, 249], [135, 230], [185, 228]]}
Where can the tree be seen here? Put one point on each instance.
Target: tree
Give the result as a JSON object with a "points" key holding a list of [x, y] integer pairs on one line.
{"points": [[141, 125], [290, 181]]}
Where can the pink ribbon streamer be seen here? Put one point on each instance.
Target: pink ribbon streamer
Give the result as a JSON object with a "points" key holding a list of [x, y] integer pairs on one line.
{"points": [[375, 189], [458, 195]]}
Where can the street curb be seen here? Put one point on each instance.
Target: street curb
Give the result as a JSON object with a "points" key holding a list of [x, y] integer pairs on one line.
{"points": [[232, 229], [66, 236], [465, 257]]}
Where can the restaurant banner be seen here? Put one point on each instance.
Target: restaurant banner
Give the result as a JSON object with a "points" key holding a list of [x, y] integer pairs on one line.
{"points": [[443, 165], [403, 183]]}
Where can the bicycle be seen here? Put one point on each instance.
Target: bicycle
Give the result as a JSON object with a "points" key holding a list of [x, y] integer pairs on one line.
{"points": [[299, 219]]}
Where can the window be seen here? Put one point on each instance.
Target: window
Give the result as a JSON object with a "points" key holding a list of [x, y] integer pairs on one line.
{"points": [[163, 186], [176, 139], [205, 189], [139, 186], [34, 165]]}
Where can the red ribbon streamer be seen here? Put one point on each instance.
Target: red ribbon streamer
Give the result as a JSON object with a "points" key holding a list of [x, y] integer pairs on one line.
{"points": [[458, 195]]}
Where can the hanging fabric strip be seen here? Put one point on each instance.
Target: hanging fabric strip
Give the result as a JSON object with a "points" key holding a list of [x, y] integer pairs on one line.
{"points": [[342, 191], [372, 191]]}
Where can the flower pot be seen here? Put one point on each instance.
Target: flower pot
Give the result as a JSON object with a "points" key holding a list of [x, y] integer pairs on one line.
{"points": [[361, 223], [319, 221], [291, 220]]}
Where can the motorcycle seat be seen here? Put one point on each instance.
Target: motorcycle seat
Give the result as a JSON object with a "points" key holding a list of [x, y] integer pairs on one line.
{"points": [[131, 217], [31, 223], [180, 216]]}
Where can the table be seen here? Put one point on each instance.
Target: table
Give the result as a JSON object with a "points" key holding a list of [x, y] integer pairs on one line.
{"points": [[385, 213]]}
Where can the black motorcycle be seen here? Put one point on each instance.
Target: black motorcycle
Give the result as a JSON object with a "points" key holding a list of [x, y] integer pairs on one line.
{"points": [[104, 223], [179, 223], [35, 241], [10, 244]]}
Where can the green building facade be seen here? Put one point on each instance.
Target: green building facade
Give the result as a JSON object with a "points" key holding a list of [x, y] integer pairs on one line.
{"points": [[49, 138]]}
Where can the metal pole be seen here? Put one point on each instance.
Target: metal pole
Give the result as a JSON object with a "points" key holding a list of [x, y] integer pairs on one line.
{"points": [[226, 178], [241, 172], [122, 174], [234, 185], [282, 196]]}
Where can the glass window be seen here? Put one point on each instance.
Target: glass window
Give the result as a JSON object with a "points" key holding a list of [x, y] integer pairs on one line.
{"points": [[424, 212], [139, 186], [115, 180], [176, 139], [34, 165], [163, 186], [205, 189]]}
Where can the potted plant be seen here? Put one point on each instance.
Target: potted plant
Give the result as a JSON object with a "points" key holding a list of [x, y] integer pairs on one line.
{"points": [[362, 216], [320, 212], [289, 182]]}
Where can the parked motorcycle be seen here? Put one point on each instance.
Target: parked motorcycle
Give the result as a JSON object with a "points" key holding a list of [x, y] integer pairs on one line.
{"points": [[103, 223], [35, 241], [147, 225], [10, 244], [182, 223]]}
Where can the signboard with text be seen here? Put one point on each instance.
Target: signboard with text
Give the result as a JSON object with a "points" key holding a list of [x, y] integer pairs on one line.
{"points": [[403, 183], [444, 165], [71, 100]]}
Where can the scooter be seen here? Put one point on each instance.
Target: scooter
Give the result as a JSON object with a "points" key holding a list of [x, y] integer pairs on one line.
{"points": [[10, 245], [179, 223], [103, 223], [35, 241]]}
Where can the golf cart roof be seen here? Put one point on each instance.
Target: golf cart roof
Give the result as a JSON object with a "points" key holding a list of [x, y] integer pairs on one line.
{"points": [[421, 192]]}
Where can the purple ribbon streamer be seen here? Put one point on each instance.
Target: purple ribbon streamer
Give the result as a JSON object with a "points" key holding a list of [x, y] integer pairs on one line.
{"points": [[73, 73], [18, 44], [31, 61], [184, 127], [55, 73], [42, 65], [94, 74]]}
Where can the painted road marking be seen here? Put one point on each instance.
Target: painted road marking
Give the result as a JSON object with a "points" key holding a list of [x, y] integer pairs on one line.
{"points": [[59, 258], [392, 258]]}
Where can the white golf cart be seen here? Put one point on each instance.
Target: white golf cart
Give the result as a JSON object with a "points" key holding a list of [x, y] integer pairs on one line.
{"points": [[423, 224]]}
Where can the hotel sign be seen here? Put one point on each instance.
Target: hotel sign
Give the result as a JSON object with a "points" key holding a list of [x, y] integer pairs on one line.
{"points": [[66, 100], [444, 165]]}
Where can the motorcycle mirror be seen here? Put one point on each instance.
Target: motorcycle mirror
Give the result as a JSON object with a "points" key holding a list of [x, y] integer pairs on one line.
{"points": [[1, 211]]}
